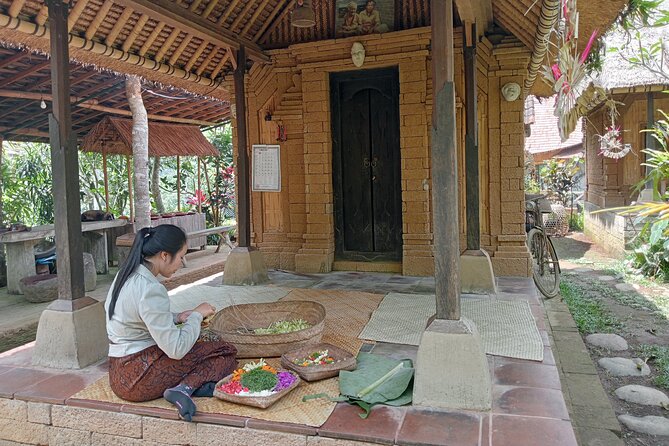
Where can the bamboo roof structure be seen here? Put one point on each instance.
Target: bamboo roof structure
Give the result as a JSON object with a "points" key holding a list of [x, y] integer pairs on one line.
{"points": [[191, 44], [113, 136]]}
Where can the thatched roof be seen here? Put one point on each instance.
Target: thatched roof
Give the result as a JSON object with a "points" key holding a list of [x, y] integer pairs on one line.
{"points": [[114, 136], [191, 44], [617, 70]]}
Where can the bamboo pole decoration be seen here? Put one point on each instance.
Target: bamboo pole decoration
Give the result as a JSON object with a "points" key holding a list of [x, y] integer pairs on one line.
{"points": [[130, 197], [106, 180], [178, 184], [199, 186]]}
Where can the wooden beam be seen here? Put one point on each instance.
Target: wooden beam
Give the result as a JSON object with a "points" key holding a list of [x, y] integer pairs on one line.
{"points": [[15, 8], [241, 15], [24, 131], [118, 26], [221, 64], [11, 59], [475, 11], [194, 5], [168, 12], [180, 49], [243, 168], [472, 143], [210, 7], [228, 10], [444, 157], [42, 15], [22, 74], [99, 17], [65, 168], [255, 16], [203, 66], [139, 25], [36, 96], [152, 38], [165, 47], [196, 55], [75, 13], [271, 23]]}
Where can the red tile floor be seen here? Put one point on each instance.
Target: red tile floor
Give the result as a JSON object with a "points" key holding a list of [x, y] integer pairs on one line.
{"points": [[528, 405]]}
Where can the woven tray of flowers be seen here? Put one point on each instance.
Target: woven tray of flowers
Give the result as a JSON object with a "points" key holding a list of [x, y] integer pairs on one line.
{"points": [[267, 330], [256, 384], [318, 361]]}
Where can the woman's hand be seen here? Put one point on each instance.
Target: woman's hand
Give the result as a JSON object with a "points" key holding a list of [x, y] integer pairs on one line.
{"points": [[181, 317], [205, 309]]}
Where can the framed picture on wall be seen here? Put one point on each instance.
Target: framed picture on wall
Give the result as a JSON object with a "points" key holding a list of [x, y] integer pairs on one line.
{"points": [[361, 17]]}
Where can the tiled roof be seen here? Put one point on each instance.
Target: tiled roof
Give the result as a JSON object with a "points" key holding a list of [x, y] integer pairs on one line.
{"points": [[544, 135]]}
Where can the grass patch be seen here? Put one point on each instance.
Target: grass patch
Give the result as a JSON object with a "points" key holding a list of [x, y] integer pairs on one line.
{"points": [[589, 314], [659, 357]]}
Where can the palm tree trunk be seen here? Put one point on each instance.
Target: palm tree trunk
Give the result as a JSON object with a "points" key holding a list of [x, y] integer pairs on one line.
{"points": [[155, 186], [140, 152]]}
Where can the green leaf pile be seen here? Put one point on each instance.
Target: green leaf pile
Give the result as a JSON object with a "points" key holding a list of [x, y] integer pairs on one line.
{"points": [[377, 380], [258, 380], [279, 327]]}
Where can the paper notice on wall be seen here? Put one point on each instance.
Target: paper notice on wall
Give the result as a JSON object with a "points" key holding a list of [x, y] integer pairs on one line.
{"points": [[266, 168]]}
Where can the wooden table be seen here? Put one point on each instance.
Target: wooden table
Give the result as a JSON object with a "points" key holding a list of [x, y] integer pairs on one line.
{"points": [[21, 257]]}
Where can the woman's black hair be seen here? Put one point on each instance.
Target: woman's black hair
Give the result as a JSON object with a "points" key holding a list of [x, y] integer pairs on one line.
{"points": [[148, 242]]}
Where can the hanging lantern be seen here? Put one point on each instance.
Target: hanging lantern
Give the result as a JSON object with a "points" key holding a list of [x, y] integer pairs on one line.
{"points": [[303, 15]]}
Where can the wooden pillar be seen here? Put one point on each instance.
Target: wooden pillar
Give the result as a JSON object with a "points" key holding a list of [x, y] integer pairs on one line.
{"points": [[471, 141], [178, 184], [444, 165], [65, 168], [650, 123], [199, 185], [106, 180], [2, 216], [243, 170]]}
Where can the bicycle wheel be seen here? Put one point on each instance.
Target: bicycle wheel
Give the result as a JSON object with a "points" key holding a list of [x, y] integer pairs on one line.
{"points": [[545, 266]]}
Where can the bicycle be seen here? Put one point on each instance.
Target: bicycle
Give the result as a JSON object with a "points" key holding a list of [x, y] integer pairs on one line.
{"points": [[545, 263]]}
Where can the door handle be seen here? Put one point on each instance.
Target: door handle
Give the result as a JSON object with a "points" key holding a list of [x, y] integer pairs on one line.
{"points": [[365, 162]]}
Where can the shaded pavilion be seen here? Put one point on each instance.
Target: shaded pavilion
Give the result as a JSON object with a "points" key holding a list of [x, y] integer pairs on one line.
{"points": [[457, 154]]}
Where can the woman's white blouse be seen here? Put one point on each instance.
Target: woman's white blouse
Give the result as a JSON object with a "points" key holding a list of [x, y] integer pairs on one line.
{"points": [[142, 318]]}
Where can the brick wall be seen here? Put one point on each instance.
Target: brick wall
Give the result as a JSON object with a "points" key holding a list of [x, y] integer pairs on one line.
{"points": [[295, 228]]}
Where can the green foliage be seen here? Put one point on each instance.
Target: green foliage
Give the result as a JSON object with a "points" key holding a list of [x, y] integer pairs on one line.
{"points": [[659, 356], [651, 256], [258, 380], [589, 314], [531, 183], [559, 177], [91, 182], [576, 221], [27, 184]]}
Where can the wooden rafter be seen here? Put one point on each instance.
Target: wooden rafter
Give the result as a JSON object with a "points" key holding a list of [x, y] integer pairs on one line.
{"points": [[241, 15], [99, 17], [231, 6], [141, 21], [118, 26], [98, 86], [24, 73], [152, 38], [167, 44], [210, 7], [180, 49], [10, 60], [75, 12], [221, 64], [24, 131], [196, 55], [195, 5], [170, 13], [271, 22], [253, 19], [15, 8], [203, 66]]}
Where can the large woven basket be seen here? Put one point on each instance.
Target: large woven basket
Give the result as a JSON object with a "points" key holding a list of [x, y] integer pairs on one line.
{"points": [[235, 324], [343, 361], [262, 402]]}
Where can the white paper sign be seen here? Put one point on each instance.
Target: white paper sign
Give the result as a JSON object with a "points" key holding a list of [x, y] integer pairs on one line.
{"points": [[266, 168]]}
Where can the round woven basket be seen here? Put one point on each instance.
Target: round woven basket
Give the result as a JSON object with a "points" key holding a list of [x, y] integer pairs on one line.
{"points": [[235, 324], [343, 361], [262, 402]]}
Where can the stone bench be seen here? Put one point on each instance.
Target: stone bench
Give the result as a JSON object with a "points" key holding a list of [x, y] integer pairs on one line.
{"points": [[44, 287]]}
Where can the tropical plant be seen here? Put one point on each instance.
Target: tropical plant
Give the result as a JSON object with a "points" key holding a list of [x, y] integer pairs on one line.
{"points": [[560, 176]]}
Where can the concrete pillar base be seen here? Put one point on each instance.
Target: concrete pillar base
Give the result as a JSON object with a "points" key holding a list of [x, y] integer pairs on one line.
{"points": [[476, 275], [245, 266], [71, 339], [451, 367]]}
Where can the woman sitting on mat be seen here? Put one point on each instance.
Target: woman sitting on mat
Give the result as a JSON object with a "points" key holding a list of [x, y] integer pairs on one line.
{"points": [[149, 355]]}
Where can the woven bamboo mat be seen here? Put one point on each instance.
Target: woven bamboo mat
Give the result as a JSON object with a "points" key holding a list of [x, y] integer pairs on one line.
{"points": [[289, 409], [347, 313]]}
